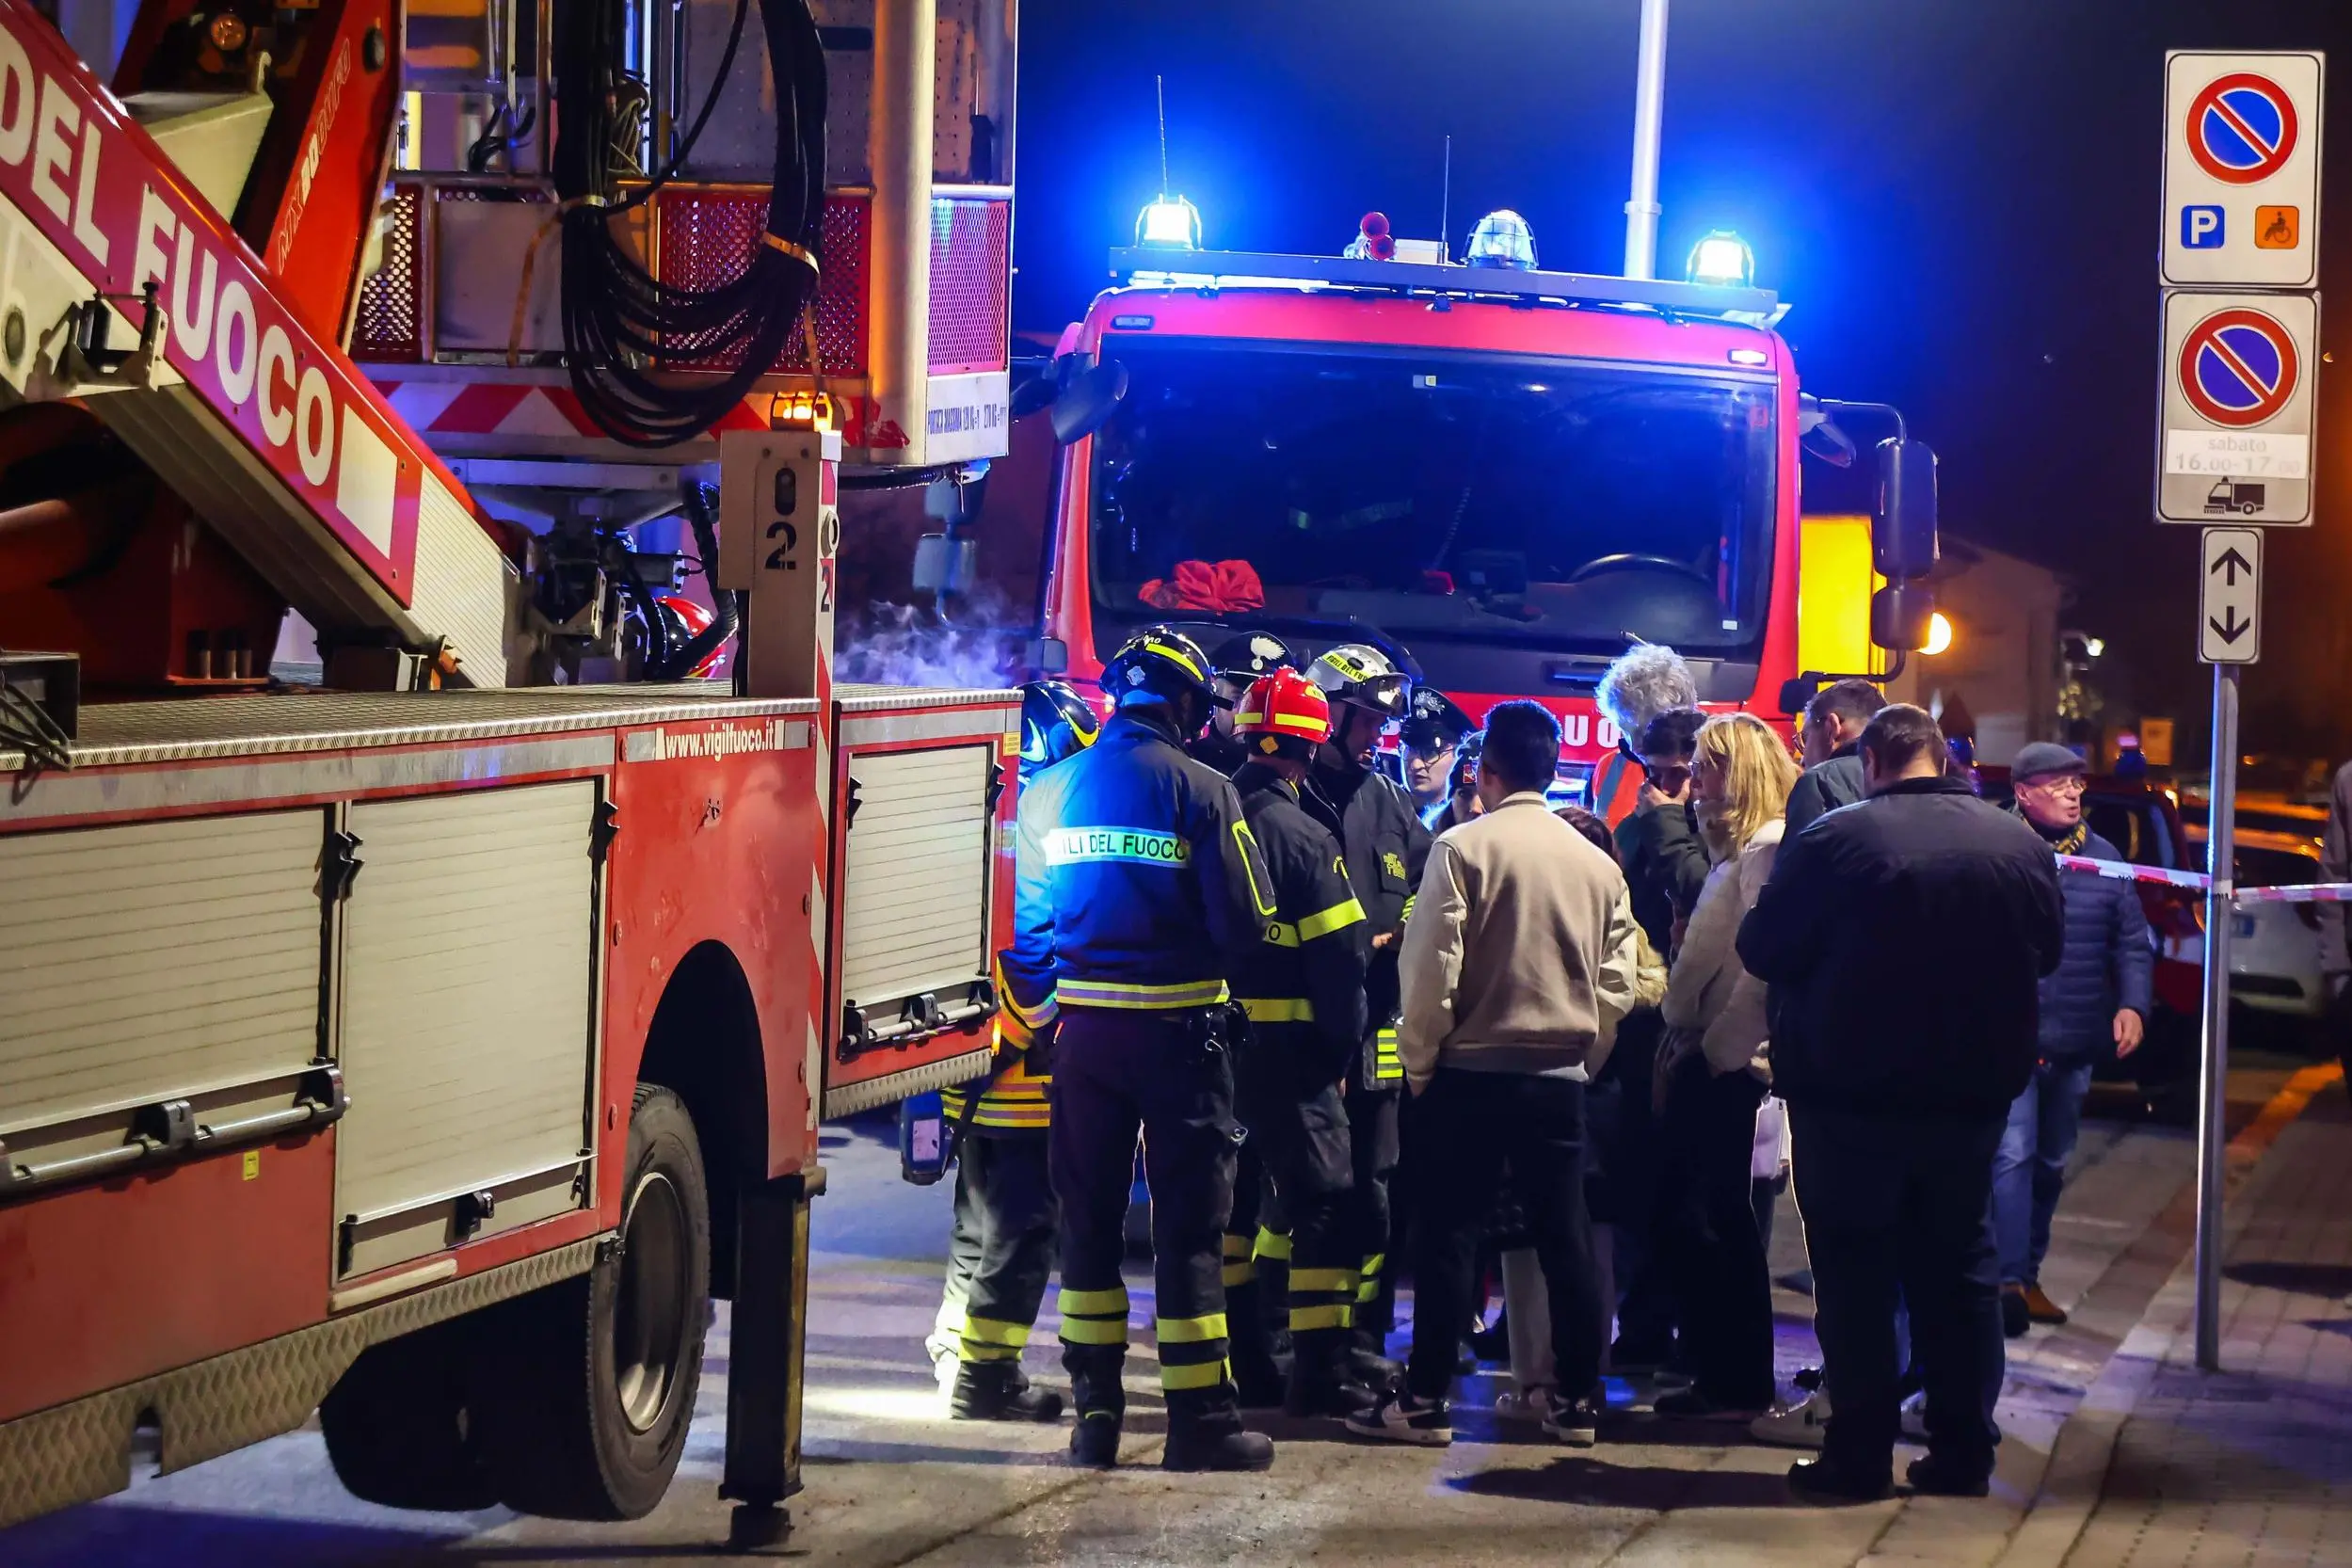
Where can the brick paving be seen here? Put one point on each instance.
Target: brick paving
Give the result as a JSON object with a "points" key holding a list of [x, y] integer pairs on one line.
{"points": [[2252, 1465]]}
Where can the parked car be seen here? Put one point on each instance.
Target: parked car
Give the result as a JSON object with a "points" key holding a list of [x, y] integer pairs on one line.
{"points": [[2275, 949], [2269, 810]]}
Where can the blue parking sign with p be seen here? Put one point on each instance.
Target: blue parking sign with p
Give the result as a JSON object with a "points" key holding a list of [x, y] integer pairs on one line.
{"points": [[2202, 228]]}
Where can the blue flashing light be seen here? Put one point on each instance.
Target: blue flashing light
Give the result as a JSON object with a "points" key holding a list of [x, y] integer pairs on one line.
{"points": [[1722, 260], [1171, 223], [1502, 238]]}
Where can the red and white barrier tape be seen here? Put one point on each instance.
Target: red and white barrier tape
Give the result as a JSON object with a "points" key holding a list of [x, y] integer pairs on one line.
{"points": [[2197, 881], [2315, 892], [2123, 870]]}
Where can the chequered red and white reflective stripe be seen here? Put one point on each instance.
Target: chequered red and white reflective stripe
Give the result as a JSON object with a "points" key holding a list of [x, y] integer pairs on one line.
{"points": [[516, 409], [2197, 881]]}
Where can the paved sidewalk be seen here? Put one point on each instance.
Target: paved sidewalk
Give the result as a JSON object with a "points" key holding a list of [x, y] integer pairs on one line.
{"points": [[2167, 1465]]}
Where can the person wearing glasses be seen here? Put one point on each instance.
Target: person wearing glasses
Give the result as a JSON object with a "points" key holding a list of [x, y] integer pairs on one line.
{"points": [[2099, 995], [1665, 859], [1666, 866], [1431, 738], [1831, 739]]}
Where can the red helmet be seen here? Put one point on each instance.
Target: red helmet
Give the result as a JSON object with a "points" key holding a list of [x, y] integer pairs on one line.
{"points": [[1284, 706], [690, 619]]}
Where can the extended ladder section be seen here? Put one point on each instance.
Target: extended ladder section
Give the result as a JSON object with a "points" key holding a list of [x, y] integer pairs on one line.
{"points": [[121, 284]]}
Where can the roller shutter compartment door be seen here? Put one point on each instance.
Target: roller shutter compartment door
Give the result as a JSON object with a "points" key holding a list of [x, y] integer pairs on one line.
{"points": [[153, 961], [915, 878], [466, 1013]]}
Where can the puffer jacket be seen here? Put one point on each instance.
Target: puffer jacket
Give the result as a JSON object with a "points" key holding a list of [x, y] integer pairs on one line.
{"points": [[2108, 964], [1713, 1004]]}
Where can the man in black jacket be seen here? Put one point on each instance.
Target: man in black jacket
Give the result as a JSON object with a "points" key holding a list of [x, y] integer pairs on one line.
{"points": [[1909, 932], [1666, 866], [1302, 988], [1658, 843], [2099, 996], [1385, 846], [1832, 740]]}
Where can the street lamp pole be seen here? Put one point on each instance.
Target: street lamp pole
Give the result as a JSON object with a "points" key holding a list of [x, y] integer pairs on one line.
{"points": [[1649, 115]]}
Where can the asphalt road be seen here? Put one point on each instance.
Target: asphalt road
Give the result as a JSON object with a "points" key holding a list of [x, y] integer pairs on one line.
{"points": [[889, 1481]]}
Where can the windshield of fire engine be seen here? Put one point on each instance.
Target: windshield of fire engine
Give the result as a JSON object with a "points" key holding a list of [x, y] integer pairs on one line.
{"points": [[1439, 498]]}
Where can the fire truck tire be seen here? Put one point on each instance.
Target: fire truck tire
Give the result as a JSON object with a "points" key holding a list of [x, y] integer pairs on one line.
{"points": [[397, 1429], [586, 1387]]}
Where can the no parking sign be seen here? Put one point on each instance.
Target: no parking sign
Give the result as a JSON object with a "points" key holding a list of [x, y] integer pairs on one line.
{"points": [[2238, 374], [2241, 168]]}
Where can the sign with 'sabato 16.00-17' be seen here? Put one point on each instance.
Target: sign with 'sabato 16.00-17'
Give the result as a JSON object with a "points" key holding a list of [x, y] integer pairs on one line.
{"points": [[2240, 372]]}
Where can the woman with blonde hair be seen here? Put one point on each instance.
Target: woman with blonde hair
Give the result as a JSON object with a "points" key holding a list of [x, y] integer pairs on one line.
{"points": [[1712, 1075]]}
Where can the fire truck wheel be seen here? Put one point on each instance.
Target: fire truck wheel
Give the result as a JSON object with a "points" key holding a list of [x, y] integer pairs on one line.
{"points": [[396, 1425], [587, 1386]]}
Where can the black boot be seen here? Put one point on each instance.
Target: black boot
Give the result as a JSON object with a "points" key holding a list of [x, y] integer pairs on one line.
{"points": [[1100, 1400], [1195, 1445], [996, 1391], [1258, 1372], [1094, 1441], [1368, 1354], [1323, 1377]]}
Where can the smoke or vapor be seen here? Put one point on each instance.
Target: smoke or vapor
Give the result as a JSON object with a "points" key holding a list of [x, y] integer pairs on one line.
{"points": [[898, 644]]}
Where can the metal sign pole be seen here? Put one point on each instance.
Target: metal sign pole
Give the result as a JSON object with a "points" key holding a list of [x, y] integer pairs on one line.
{"points": [[1649, 117], [2213, 1078]]}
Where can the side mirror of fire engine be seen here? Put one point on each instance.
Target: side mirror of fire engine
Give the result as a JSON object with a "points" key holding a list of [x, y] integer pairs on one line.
{"points": [[1036, 394], [1088, 401], [1901, 616], [1903, 522]]}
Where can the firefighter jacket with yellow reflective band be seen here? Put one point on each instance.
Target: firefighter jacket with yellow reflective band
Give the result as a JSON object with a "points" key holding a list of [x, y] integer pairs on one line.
{"points": [[1386, 846], [1013, 1098], [1140, 884], [1303, 988]]}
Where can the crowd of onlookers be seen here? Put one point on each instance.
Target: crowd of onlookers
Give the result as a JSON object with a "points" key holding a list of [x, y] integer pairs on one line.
{"points": [[1840, 964]]}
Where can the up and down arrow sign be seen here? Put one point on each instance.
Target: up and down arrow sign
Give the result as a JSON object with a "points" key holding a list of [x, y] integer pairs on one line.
{"points": [[2229, 613]]}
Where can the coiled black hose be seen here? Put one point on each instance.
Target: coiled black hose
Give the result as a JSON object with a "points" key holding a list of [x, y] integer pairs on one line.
{"points": [[621, 323]]}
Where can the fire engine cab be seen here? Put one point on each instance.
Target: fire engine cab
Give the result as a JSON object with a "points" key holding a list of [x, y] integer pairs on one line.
{"points": [[1501, 476], [419, 987]]}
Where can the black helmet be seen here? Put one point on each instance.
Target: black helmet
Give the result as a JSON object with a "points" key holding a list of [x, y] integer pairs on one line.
{"points": [[1355, 673], [1433, 720], [1161, 662], [1055, 722], [1251, 657]]}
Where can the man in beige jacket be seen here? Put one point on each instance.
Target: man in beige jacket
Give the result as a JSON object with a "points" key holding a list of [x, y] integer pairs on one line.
{"points": [[1520, 954]]}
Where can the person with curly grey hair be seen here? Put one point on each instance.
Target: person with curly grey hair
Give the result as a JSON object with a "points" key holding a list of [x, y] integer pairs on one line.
{"points": [[1645, 680]]}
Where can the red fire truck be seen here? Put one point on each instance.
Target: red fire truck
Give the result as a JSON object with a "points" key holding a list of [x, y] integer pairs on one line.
{"points": [[419, 993], [1501, 476]]}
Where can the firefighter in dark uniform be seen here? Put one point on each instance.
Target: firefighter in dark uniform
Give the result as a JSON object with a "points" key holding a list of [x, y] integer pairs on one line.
{"points": [[1386, 846], [1000, 1251], [1239, 663], [1257, 1239], [1140, 887], [1303, 992]]}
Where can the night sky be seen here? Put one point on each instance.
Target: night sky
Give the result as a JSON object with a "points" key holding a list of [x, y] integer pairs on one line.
{"points": [[1958, 195]]}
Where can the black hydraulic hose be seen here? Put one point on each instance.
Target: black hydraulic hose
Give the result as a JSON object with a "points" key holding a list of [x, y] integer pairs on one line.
{"points": [[625, 332], [680, 662]]}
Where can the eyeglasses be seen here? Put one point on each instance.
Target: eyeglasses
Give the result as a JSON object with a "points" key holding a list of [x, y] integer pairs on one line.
{"points": [[2065, 784]]}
